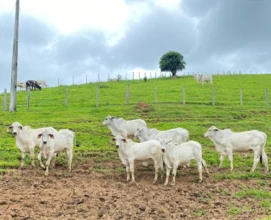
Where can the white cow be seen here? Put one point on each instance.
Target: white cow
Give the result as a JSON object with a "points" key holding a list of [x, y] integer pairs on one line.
{"points": [[55, 142], [26, 139], [177, 135], [180, 155], [21, 84], [42, 83], [226, 142], [130, 151], [196, 77], [119, 126], [206, 78]]}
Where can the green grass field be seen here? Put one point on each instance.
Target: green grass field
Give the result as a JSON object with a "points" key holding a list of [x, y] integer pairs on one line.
{"points": [[163, 111]]}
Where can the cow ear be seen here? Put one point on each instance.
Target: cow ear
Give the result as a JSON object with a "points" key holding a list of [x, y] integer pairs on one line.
{"points": [[52, 136], [9, 128], [216, 129], [39, 135], [113, 139], [21, 127]]}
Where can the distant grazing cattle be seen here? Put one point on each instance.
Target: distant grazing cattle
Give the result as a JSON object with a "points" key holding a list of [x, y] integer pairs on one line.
{"points": [[206, 78], [42, 83], [196, 77], [32, 84], [21, 84]]}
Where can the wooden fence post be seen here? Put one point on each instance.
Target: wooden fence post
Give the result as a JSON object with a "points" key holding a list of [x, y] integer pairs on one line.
{"points": [[127, 94], [183, 96], [213, 97], [98, 77], [266, 97], [66, 96], [5, 100], [108, 77], [97, 96], [28, 98], [86, 78], [241, 97]]}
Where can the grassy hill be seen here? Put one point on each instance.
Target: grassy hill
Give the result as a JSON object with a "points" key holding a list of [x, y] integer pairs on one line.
{"points": [[158, 101]]}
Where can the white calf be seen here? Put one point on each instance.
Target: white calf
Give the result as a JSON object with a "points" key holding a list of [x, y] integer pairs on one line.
{"points": [[130, 151], [182, 154], [119, 126], [55, 142], [177, 135], [227, 141], [26, 139], [206, 78]]}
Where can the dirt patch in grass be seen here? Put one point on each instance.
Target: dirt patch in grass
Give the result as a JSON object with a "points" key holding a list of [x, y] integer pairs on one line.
{"points": [[90, 194], [143, 107]]}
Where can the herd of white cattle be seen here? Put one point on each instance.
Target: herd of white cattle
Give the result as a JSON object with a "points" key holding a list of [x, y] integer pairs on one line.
{"points": [[170, 147]]}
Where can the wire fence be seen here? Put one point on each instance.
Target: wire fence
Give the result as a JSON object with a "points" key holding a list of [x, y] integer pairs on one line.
{"points": [[128, 93], [140, 76]]}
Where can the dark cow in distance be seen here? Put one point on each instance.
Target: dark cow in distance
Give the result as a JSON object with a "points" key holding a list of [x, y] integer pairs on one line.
{"points": [[32, 84]]}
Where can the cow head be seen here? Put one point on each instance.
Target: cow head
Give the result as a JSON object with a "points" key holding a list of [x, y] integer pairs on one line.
{"points": [[16, 127]]}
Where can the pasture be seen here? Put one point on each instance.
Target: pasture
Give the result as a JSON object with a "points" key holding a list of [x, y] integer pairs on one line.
{"points": [[96, 187]]}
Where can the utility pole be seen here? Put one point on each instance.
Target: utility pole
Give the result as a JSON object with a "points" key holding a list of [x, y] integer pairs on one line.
{"points": [[13, 85]]}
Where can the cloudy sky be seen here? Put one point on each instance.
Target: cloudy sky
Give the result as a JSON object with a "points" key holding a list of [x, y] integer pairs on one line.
{"points": [[62, 39]]}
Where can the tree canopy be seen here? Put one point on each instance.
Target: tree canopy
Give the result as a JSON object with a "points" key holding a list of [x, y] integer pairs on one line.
{"points": [[172, 61]]}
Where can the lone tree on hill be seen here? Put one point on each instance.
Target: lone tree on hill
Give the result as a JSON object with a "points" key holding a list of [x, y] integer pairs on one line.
{"points": [[172, 61]]}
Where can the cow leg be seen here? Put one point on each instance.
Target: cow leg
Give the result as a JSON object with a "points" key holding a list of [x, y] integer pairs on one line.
{"points": [[22, 160], [168, 172], [175, 166], [205, 166], [69, 157], [229, 152], [200, 170], [32, 156], [40, 160], [127, 172], [132, 169], [256, 160], [222, 157], [265, 160], [48, 164], [162, 169], [157, 167]]}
